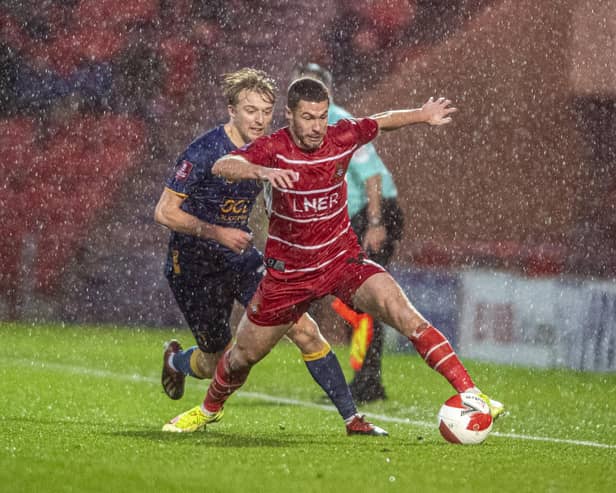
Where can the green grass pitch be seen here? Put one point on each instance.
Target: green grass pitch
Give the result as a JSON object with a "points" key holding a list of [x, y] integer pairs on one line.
{"points": [[82, 409]]}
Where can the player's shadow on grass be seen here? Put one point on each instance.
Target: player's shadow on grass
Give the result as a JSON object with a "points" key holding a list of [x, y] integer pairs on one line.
{"points": [[222, 440]]}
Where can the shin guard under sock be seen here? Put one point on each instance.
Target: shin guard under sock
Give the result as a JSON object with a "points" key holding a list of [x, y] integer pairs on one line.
{"points": [[181, 361], [224, 383], [326, 371], [436, 351]]}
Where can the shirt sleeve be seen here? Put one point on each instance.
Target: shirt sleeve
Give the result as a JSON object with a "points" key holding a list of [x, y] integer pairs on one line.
{"points": [[358, 131], [260, 151], [186, 173]]}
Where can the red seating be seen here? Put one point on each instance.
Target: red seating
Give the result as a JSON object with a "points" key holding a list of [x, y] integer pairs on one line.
{"points": [[12, 232], [17, 167], [17, 136], [181, 62], [11, 32], [113, 12], [54, 191], [99, 43], [83, 166]]}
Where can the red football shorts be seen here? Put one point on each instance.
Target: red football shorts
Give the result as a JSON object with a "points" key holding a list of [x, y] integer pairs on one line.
{"points": [[280, 301]]}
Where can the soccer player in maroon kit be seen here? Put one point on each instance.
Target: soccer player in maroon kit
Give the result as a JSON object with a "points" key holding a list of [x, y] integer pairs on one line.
{"points": [[311, 250]]}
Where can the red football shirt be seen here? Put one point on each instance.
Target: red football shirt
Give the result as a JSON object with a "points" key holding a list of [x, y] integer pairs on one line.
{"points": [[309, 225]]}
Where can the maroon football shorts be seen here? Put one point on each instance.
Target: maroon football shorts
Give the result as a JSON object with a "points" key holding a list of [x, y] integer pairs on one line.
{"points": [[279, 301]]}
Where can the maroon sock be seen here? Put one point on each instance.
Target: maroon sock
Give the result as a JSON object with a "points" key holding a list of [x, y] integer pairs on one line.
{"points": [[224, 383], [435, 349]]}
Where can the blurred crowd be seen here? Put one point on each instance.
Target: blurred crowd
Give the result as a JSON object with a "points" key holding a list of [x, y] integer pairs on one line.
{"points": [[116, 55], [93, 88], [144, 55], [94, 91]]}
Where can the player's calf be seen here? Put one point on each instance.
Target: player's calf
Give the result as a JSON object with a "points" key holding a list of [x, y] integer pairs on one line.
{"points": [[226, 381]]}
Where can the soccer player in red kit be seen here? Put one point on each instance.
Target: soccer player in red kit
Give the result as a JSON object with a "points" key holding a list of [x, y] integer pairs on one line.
{"points": [[311, 250]]}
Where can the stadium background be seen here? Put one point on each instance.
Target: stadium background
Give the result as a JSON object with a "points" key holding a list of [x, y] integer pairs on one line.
{"points": [[510, 238]]}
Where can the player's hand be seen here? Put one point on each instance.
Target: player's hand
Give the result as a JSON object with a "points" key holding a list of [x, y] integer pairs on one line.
{"points": [[280, 178], [437, 111], [234, 239], [374, 238]]}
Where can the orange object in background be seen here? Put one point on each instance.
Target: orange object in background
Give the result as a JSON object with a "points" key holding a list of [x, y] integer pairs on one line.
{"points": [[363, 332]]}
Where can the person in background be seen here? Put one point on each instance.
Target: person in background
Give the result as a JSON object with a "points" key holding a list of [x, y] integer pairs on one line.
{"points": [[378, 222]]}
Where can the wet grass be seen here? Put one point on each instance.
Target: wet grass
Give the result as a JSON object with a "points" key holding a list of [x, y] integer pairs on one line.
{"points": [[82, 408]]}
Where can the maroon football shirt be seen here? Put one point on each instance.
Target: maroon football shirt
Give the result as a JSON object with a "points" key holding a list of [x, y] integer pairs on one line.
{"points": [[309, 224]]}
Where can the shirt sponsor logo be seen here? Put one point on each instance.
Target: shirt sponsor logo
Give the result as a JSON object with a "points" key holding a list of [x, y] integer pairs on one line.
{"points": [[234, 206], [183, 170], [234, 210], [316, 204]]}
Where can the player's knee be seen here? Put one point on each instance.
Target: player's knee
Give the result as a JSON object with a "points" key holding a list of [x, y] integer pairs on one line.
{"points": [[244, 358], [398, 312], [306, 336], [312, 345]]}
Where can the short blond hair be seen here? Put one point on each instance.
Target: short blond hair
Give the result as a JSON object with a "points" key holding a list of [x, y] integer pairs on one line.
{"points": [[249, 79]]}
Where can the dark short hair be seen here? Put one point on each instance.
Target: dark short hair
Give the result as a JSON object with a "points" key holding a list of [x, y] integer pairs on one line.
{"points": [[306, 89], [313, 70]]}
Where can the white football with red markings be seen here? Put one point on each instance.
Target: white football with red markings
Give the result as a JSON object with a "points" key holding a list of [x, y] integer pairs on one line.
{"points": [[465, 419]]}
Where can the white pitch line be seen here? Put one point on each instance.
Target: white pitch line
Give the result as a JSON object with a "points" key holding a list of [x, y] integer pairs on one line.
{"points": [[78, 370]]}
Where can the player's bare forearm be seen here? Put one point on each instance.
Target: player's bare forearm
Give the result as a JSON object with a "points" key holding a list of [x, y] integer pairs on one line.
{"points": [[373, 194], [168, 212], [237, 168], [395, 119], [433, 112], [375, 231]]}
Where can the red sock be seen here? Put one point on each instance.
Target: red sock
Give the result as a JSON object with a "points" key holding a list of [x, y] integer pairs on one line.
{"points": [[435, 349], [224, 383]]}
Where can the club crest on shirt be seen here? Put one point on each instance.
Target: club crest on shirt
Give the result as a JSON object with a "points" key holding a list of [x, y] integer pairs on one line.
{"points": [[183, 170], [339, 170]]}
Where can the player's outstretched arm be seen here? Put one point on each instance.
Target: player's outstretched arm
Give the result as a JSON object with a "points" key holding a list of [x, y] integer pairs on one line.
{"points": [[237, 168], [433, 112]]}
